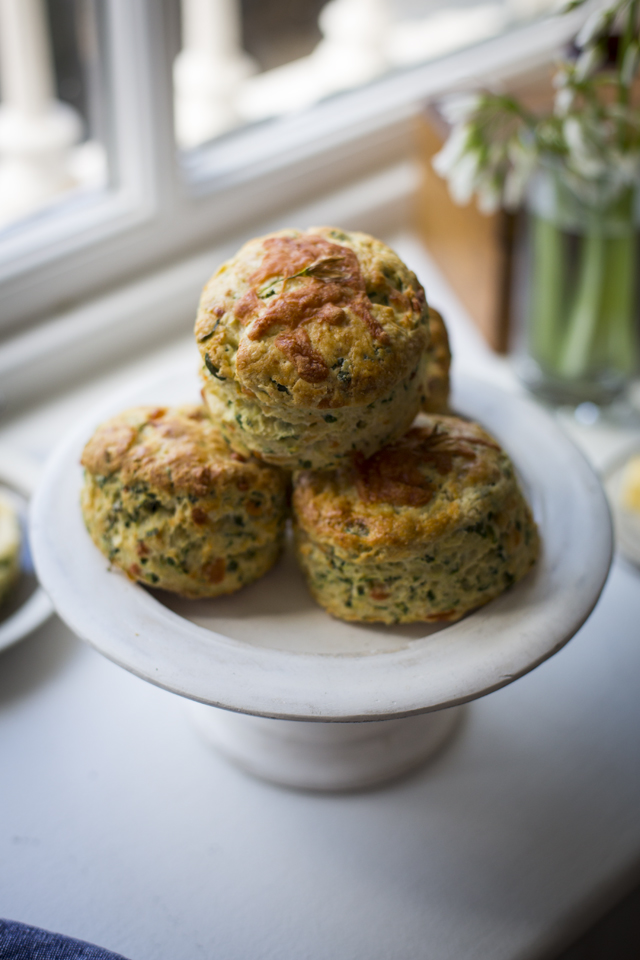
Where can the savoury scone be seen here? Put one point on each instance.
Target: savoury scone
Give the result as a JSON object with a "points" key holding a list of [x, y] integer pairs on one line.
{"points": [[166, 501], [313, 346], [438, 365], [10, 541], [428, 528]]}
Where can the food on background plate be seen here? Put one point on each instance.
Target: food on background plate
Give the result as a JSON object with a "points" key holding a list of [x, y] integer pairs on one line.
{"points": [[630, 485], [167, 501], [314, 346], [429, 528], [10, 542]]}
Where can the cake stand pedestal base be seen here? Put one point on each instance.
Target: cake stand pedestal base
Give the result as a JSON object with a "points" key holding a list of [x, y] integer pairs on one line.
{"points": [[325, 756]]}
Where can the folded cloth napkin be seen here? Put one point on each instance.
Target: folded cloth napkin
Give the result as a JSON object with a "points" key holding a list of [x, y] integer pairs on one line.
{"points": [[20, 942]]}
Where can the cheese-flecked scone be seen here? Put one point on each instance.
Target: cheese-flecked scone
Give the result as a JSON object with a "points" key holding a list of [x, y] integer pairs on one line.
{"points": [[167, 501], [436, 397], [428, 528], [10, 541], [313, 346]]}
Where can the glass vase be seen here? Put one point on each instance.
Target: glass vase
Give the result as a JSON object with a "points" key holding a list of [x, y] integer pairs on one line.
{"points": [[579, 294]]}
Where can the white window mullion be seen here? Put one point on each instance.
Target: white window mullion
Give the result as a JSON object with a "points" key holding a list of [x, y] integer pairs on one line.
{"points": [[142, 91], [66, 251], [37, 132], [209, 70]]}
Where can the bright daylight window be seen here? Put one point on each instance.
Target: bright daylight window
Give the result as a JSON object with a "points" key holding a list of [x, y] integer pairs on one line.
{"points": [[246, 61], [109, 167], [53, 132]]}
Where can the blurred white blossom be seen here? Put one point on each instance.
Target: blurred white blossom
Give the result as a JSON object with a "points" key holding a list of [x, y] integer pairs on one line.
{"points": [[588, 62], [592, 137], [596, 25], [630, 63], [488, 153]]}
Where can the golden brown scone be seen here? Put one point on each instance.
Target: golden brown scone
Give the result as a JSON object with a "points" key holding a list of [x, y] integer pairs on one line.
{"points": [[167, 502], [313, 346], [428, 528], [438, 366]]}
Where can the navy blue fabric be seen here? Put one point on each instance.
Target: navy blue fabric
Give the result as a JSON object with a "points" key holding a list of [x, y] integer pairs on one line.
{"points": [[20, 942]]}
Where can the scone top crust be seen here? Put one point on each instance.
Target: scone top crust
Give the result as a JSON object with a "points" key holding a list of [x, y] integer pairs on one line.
{"points": [[322, 318], [177, 450], [411, 492]]}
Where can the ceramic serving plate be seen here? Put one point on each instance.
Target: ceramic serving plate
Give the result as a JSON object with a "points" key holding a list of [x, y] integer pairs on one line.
{"points": [[269, 650], [27, 606]]}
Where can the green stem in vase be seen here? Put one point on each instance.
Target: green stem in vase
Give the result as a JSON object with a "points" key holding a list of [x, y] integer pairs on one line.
{"points": [[577, 356], [618, 303], [546, 291]]}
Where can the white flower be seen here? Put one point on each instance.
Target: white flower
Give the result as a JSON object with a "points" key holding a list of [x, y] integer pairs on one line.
{"points": [[630, 64], [582, 155], [592, 139], [588, 62], [564, 101], [522, 165], [595, 25], [454, 148], [488, 197], [627, 166], [463, 178]]}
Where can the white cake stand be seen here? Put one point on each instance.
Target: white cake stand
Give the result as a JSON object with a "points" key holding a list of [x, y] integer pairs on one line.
{"points": [[309, 701]]}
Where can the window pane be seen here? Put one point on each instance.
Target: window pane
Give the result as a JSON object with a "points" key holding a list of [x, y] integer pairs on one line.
{"points": [[244, 62], [53, 116], [277, 31]]}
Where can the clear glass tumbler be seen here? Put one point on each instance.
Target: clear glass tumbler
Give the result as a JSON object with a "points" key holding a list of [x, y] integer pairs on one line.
{"points": [[578, 293]]}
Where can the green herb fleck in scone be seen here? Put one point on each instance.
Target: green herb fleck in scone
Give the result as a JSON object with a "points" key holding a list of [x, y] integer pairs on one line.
{"points": [[314, 345], [428, 528], [166, 501], [10, 540]]}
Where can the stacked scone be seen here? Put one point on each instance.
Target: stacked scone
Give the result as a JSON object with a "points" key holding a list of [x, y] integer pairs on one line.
{"points": [[428, 528], [319, 350], [168, 502], [314, 345]]}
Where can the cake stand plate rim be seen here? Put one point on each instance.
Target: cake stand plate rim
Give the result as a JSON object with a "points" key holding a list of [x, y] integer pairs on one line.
{"points": [[487, 650]]}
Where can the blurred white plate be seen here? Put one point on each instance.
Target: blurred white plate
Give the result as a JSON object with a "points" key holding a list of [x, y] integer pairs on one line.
{"points": [[27, 606]]}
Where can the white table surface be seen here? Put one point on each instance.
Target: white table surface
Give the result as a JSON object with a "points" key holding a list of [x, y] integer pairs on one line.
{"points": [[119, 826]]}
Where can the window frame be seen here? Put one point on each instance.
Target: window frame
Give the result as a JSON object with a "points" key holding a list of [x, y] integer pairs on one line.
{"points": [[163, 209]]}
